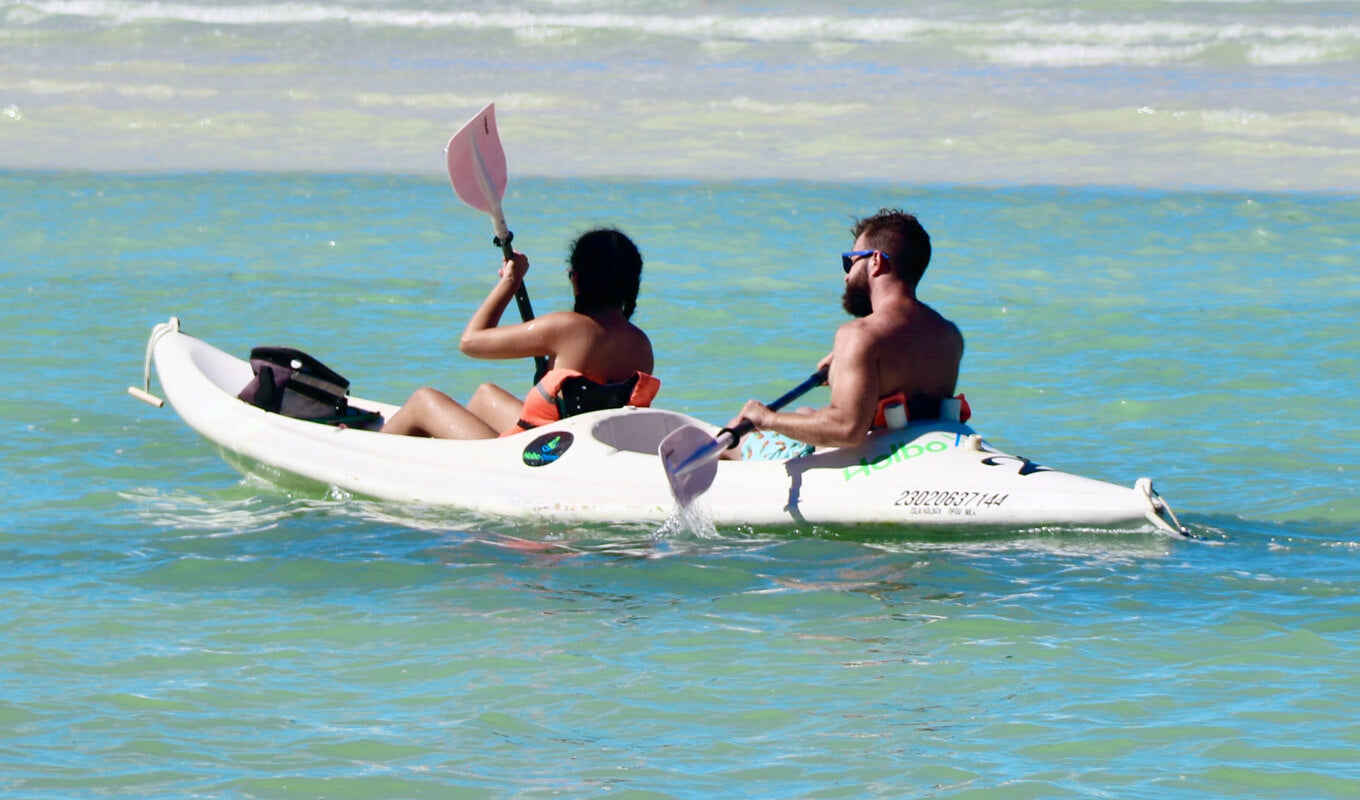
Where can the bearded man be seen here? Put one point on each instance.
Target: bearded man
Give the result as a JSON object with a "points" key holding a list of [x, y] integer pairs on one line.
{"points": [[897, 349]]}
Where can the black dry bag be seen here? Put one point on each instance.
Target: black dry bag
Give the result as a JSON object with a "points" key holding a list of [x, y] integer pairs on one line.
{"points": [[294, 384]]}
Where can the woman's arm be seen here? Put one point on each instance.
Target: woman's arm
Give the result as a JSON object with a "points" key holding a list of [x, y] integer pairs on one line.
{"points": [[483, 338]]}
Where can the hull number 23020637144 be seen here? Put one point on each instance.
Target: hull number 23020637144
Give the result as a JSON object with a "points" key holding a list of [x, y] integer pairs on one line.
{"points": [[946, 498]]}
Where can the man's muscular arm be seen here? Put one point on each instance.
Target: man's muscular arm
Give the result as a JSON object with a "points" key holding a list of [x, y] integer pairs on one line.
{"points": [[845, 421]]}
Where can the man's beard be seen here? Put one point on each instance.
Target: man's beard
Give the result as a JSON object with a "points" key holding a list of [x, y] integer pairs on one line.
{"points": [[856, 301]]}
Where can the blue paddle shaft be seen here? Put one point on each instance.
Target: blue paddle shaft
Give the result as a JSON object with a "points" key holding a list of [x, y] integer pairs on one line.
{"points": [[746, 426], [729, 437]]}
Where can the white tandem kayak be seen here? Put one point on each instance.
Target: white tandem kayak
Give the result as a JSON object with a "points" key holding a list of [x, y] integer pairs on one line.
{"points": [[603, 466]]}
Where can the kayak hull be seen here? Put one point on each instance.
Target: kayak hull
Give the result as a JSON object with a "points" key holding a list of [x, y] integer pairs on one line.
{"points": [[603, 467]]}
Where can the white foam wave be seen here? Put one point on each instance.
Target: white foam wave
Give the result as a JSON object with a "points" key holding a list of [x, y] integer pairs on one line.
{"points": [[1019, 37], [1149, 43]]}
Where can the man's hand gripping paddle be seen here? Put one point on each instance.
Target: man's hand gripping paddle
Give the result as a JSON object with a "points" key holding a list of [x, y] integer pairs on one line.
{"points": [[477, 171], [690, 455]]}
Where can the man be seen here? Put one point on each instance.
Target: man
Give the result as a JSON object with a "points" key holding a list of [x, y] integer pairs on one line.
{"points": [[896, 344]]}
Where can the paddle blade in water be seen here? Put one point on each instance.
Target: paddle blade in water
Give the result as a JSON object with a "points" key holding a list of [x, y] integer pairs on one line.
{"points": [[697, 452], [690, 456], [476, 162]]}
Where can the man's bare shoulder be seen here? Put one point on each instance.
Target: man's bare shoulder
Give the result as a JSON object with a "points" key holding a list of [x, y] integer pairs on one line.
{"points": [[860, 332], [921, 330], [917, 326], [927, 320]]}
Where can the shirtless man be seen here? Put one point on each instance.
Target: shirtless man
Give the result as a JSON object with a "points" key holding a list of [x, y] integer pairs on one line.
{"points": [[895, 344]]}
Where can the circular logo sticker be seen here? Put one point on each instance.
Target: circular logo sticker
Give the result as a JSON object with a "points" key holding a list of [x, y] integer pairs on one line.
{"points": [[547, 448]]}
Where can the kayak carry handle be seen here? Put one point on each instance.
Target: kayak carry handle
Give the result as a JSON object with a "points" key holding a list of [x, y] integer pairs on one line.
{"points": [[144, 394]]}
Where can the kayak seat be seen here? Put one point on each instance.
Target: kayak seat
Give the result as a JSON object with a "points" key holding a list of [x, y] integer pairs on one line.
{"points": [[579, 395], [563, 393], [922, 407], [638, 431]]}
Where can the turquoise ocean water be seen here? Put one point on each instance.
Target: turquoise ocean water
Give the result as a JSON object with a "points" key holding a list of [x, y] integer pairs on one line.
{"points": [[1169, 293]]}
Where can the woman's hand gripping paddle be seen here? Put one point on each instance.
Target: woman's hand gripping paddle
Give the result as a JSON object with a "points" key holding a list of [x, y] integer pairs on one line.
{"points": [[690, 455], [477, 171]]}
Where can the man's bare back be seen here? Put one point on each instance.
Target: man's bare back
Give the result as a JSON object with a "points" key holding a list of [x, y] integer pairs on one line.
{"points": [[915, 350]]}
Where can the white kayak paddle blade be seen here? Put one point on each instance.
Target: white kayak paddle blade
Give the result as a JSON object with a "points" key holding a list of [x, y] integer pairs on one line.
{"points": [[476, 163], [678, 450]]}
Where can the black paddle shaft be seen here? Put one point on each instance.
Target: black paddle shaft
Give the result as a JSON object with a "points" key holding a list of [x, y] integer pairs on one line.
{"points": [[526, 311], [746, 426]]}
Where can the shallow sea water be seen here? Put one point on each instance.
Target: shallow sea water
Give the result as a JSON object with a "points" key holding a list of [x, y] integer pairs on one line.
{"points": [[172, 630]]}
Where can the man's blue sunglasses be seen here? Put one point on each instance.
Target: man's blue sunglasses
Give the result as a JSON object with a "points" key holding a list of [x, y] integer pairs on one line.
{"points": [[848, 259]]}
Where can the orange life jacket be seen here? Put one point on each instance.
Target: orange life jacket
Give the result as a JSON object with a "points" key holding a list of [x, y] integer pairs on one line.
{"points": [[965, 412], [541, 404]]}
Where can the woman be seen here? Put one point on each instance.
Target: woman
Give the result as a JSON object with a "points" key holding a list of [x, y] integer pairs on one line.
{"points": [[595, 341]]}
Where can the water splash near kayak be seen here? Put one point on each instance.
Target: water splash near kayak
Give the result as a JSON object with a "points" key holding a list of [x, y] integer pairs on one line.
{"points": [[692, 520]]}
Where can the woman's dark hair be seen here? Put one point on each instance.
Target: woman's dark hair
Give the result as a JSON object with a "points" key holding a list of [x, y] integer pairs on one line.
{"points": [[608, 271]]}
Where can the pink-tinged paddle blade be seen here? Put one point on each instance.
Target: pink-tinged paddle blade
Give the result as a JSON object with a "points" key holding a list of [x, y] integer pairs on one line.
{"points": [[477, 163], [680, 448]]}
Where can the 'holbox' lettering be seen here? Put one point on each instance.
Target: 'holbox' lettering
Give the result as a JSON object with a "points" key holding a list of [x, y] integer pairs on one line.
{"points": [[899, 452]]}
